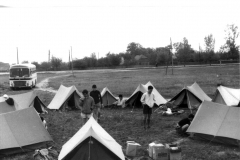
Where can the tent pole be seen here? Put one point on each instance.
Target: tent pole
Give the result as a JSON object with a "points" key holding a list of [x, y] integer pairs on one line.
{"points": [[134, 103], [189, 104], [107, 100]]}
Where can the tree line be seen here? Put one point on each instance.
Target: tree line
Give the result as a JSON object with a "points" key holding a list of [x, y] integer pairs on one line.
{"points": [[184, 54]]}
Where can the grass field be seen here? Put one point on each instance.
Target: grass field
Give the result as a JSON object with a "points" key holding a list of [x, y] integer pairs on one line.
{"points": [[124, 125]]}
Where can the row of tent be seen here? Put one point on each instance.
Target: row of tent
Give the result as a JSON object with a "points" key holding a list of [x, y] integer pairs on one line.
{"points": [[21, 128], [189, 97]]}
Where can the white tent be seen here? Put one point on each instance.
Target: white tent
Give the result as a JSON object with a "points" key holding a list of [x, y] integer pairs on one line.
{"points": [[93, 142], [65, 96], [227, 96], [24, 100], [134, 99], [216, 122], [190, 97], [107, 97]]}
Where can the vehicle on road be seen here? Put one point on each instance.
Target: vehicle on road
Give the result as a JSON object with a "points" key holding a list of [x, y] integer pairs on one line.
{"points": [[22, 75]]}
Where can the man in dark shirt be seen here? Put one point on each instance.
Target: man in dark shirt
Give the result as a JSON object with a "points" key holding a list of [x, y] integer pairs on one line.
{"points": [[86, 106], [183, 124], [96, 95]]}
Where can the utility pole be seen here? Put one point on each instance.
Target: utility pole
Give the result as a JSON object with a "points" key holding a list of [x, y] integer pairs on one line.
{"points": [[17, 56], [167, 63], [48, 55], [172, 64], [72, 61], [170, 49], [199, 54]]}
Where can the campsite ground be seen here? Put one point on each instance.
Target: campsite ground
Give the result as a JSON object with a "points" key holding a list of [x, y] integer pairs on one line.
{"points": [[124, 125]]}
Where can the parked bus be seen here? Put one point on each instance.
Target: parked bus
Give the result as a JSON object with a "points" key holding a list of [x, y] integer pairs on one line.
{"points": [[22, 75]]}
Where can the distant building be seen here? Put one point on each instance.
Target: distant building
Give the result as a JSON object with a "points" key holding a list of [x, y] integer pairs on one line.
{"points": [[141, 60]]}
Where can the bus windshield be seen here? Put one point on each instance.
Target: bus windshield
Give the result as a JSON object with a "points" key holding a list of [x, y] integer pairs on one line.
{"points": [[20, 72]]}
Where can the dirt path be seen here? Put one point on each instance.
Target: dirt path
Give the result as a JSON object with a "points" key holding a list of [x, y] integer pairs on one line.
{"points": [[43, 85]]}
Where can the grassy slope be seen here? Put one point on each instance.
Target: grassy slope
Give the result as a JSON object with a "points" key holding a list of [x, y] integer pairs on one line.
{"points": [[124, 125]]}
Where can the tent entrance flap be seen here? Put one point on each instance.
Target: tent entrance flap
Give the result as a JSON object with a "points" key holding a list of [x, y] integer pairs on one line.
{"points": [[186, 99], [72, 101], [90, 149], [181, 100], [135, 100]]}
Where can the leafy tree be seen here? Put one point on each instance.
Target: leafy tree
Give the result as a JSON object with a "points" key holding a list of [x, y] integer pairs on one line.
{"points": [[209, 47], [162, 55], [36, 64], [184, 52], [128, 59], [56, 62], [79, 64], [113, 59], [45, 66], [93, 60], [134, 48], [230, 46], [209, 43]]}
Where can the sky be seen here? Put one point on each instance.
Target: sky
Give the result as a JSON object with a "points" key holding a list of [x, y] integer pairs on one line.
{"points": [[101, 26]]}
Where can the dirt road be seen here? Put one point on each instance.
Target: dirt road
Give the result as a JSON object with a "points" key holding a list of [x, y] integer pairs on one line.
{"points": [[43, 85]]}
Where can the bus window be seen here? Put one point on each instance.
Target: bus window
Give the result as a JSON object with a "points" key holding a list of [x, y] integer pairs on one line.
{"points": [[20, 72], [14, 72]]}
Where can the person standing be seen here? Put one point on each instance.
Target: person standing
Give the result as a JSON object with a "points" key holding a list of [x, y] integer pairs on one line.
{"points": [[96, 95], [148, 100], [86, 106]]}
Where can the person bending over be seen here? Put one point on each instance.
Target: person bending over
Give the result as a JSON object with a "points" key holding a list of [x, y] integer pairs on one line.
{"points": [[8, 100], [148, 100], [120, 103], [86, 106], [183, 124], [96, 95]]}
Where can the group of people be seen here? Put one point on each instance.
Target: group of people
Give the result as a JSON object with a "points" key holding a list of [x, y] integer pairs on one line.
{"points": [[91, 104]]}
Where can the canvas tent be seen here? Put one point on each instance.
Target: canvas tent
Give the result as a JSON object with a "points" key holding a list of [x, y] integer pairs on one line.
{"points": [[4, 108], [107, 97], [91, 142], [25, 100], [134, 99], [158, 96], [65, 96], [190, 97], [22, 131], [216, 122], [227, 96]]}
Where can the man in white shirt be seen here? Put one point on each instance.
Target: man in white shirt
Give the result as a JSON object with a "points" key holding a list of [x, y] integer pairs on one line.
{"points": [[148, 100], [120, 103]]}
